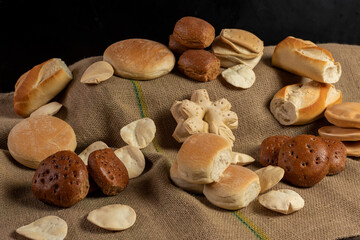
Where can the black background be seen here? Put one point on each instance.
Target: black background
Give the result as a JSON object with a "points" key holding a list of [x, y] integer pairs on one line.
{"points": [[35, 31]]}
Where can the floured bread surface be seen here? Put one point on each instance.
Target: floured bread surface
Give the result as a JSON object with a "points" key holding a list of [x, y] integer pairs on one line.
{"points": [[35, 138], [49, 228], [241, 76], [284, 201], [133, 159], [115, 217], [139, 133]]}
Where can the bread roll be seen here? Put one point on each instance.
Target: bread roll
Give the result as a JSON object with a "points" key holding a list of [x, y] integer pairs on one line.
{"points": [[236, 188], [203, 157], [39, 85], [346, 114], [299, 104], [35, 138], [139, 59], [306, 59], [339, 133]]}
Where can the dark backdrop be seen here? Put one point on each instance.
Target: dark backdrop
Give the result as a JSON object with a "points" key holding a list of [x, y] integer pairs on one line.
{"points": [[32, 31]]}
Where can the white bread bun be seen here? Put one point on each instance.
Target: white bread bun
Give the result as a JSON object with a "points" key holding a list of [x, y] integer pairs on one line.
{"points": [[181, 183], [139, 59], [236, 189], [306, 59], [39, 85], [35, 138], [299, 104], [203, 157]]}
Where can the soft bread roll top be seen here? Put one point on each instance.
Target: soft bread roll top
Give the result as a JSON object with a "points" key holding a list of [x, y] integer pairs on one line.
{"points": [[39, 85], [236, 189], [298, 104], [203, 157], [181, 183], [306, 59]]}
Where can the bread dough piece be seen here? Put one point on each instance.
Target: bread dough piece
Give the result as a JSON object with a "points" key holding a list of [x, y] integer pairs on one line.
{"points": [[114, 217], [133, 159], [269, 176], [97, 72], [284, 201], [241, 76], [84, 155], [139, 133], [48, 109], [49, 228]]}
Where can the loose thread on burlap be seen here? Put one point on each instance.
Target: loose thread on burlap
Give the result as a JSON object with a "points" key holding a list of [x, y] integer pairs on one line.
{"points": [[144, 113]]}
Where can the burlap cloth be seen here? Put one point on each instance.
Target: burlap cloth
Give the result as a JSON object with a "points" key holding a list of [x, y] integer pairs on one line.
{"points": [[332, 208]]}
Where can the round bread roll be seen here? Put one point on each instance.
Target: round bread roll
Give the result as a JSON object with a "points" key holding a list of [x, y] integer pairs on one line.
{"points": [[269, 149], [236, 188], [346, 114], [35, 138], [181, 183], [337, 155], [203, 157], [305, 159], [139, 59]]}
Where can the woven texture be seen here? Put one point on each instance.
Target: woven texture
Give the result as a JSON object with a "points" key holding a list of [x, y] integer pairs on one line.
{"points": [[97, 112]]}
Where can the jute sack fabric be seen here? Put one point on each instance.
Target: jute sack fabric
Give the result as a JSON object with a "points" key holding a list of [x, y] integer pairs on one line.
{"points": [[97, 112]]}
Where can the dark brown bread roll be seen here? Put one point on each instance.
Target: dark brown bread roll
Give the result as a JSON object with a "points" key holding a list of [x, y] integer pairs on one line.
{"points": [[305, 159], [176, 47], [194, 32], [269, 150], [61, 179], [337, 155], [200, 65], [107, 170]]}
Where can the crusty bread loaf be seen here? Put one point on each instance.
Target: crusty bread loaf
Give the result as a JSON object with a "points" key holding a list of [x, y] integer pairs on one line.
{"points": [[203, 157], [39, 85], [298, 104], [236, 189], [35, 138], [306, 59], [139, 59]]}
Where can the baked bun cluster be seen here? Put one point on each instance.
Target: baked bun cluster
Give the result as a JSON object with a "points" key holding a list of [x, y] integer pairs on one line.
{"points": [[345, 118], [306, 159]]}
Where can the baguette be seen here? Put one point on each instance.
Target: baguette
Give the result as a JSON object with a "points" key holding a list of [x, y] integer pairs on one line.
{"points": [[39, 85], [299, 104], [306, 59]]}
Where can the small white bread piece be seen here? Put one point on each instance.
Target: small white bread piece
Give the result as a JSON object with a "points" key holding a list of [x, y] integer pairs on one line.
{"points": [[269, 176], [97, 72], [49, 228], [139, 133], [49, 109], [241, 76], [306, 59], [242, 159], [35, 138], [203, 157], [133, 159], [284, 201], [236, 189], [114, 217], [299, 104], [39, 85], [181, 183], [139, 59], [84, 155]]}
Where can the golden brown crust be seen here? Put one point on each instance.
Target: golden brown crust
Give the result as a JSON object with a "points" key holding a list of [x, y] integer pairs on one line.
{"points": [[194, 32], [339, 133], [346, 114], [107, 170], [200, 65], [61, 180]]}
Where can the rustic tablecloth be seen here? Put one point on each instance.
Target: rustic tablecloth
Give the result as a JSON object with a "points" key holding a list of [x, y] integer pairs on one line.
{"points": [[97, 112]]}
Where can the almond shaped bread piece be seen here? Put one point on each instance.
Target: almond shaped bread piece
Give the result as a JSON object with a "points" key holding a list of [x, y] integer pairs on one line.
{"points": [[139, 59], [299, 104], [39, 85], [203, 157], [306, 59], [236, 189]]}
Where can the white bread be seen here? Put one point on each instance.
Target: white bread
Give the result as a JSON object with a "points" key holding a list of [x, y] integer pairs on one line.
{"points": [[35, 138], [203, 157], [39, 85], [306, 59], [139, 59], [181, 183], [236, 189], [299, 104]]}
